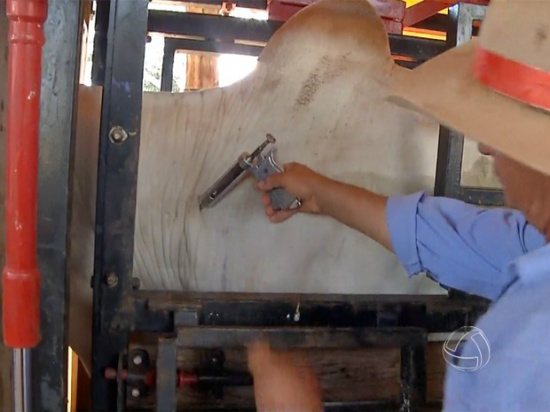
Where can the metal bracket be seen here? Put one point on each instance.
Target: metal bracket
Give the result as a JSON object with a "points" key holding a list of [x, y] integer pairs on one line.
{"points": [[166, 375]]}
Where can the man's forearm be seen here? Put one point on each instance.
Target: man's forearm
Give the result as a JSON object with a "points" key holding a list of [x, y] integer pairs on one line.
{"points": [[355, 207]]}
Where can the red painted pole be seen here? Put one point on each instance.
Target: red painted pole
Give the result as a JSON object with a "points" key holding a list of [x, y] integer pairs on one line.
{"points": [[20, 278]]}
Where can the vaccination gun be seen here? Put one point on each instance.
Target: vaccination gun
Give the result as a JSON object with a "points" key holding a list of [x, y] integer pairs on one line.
{"points": [[260, 166]]}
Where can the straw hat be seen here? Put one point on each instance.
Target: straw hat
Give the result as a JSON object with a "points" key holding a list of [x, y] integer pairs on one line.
{"points": [[494, 89]]}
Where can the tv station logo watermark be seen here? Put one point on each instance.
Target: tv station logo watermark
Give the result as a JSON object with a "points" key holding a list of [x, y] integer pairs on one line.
{"points": [[479, 350]]}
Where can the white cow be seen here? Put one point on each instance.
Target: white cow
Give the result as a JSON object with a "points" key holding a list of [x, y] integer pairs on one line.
{"points": [[320, 89]]}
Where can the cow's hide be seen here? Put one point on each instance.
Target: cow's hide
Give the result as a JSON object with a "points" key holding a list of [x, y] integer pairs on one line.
{"points": [[320, 89]]}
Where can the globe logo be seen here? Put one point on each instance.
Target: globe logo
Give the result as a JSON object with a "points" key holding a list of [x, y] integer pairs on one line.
{"points": [[479, 349]]}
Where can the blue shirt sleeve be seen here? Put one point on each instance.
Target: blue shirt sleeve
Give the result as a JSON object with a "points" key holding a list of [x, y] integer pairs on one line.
{"points": [[459, 245]]}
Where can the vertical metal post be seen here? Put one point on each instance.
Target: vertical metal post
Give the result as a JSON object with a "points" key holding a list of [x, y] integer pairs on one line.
{"points": [[451, 142], [116, 194], [99, 55], [20, 277], [166, 375], [167, 74], [60, 74], [6, 354], [21, 366], [413, 376], [21, 284]]}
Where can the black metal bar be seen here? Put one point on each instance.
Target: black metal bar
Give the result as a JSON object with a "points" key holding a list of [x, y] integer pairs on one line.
{"points": [[435, 313], [223, 28], [485, 197], [166, 375], [449, 163], [367, 406], [437, 22], [418, 48], [302, 337], [214, 46], [227, 30], [413, 376], [173, 44], [116, 193], [60, 69], [233, 29], [167, 73], [100, 41], [451, 142]]}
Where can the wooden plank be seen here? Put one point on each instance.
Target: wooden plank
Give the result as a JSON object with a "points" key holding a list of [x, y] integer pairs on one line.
{"points": [[171, 300], [202, 69], [435, 372], [303, 337], [72, 380], [84, 389]]}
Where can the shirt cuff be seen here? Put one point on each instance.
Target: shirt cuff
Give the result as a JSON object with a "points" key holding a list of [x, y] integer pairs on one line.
{"points": [[401, 213]]}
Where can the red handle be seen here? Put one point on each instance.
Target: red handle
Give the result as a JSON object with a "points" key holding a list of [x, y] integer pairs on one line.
{"points": [[20, 278]]}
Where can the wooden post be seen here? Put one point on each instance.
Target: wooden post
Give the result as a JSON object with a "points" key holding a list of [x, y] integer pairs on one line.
{"points": [[202, 68]]}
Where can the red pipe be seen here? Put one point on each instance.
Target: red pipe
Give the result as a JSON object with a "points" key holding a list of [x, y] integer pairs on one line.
{"points": [[20, 278]]}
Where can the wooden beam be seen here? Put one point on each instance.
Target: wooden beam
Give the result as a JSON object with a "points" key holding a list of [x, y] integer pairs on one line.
{"points": [[423, 10], [202, 69]]}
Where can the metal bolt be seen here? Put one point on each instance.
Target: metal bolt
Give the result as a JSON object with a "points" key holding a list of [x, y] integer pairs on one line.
{"points": [[117, 134], [135, 392], [111, 279], [136, 283], [138, 360]]}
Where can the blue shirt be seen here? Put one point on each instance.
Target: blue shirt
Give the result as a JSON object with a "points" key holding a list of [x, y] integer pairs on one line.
{"points": [[497, 254]]}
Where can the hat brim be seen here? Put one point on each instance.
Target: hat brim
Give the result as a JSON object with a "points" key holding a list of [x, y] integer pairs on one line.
{"points": [[444, 87]]}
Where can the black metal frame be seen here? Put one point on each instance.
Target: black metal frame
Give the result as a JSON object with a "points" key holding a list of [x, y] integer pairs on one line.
{"points": [[228, 320], [116, 192], [175, 44], [227, 35], [103, 11], [451, 142], [60, 70], [118, 309]]}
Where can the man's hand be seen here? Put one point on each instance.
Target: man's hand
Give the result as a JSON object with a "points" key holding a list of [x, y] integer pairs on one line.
{"points": [[351, 205], [282, 382], [299, 181]]}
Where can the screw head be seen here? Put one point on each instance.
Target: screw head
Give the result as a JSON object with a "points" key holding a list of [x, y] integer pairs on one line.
{"points": [[117, 134], [136, 283], [138, 360], [135, 392], [111, 279]]}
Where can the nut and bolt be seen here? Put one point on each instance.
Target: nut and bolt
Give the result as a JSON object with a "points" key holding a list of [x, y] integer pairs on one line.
{"points": [[138, 360], [111, 279], [136, 283], [117, 134]]}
